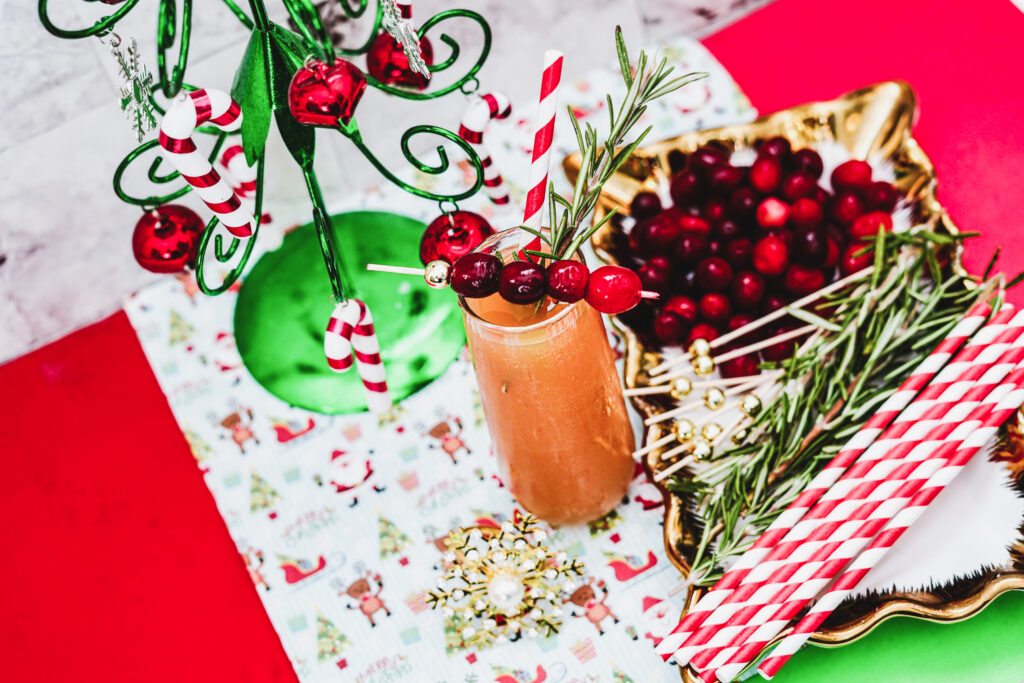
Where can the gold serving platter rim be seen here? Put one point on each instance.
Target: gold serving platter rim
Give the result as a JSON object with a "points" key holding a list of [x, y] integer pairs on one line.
{"points": [[871, 120]]}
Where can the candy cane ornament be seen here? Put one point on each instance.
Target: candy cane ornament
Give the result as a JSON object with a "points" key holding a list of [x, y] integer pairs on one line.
{"points": [[188, 111], [480, 112], [350, 339], [239, 174]]}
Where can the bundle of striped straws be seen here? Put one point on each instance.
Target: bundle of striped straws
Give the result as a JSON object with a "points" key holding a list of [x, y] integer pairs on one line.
{"points": [[856, 508]]}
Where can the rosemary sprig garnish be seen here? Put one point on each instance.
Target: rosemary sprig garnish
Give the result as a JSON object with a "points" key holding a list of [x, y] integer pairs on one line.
{"points": [[600, 162], [876, 335]]}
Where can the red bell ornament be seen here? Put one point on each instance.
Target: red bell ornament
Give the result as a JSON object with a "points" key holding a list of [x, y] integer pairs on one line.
{"points": [[452, 235], [321, 95], [166, 239], [387, 62]]}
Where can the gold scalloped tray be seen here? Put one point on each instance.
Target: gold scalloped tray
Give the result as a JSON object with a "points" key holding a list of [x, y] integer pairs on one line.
{"points": [[870, 121]]}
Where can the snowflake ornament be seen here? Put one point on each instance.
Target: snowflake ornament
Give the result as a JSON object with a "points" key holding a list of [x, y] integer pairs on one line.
{"points": [[503, 584], [136, 87]]}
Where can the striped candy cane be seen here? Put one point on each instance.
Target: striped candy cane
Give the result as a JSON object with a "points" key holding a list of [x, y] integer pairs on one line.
{"points": [[986, 430], [350, 338], [240, 175], [189, 110], [544, 134], [480, 111], [828, 476], [860, 514], [867, 485]]}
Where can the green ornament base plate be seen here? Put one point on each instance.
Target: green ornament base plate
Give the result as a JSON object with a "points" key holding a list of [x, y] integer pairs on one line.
{"points": [[284, 304]]}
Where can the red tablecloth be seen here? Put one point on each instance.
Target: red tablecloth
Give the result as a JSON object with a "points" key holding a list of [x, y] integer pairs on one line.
{"points": [[107, 576]]}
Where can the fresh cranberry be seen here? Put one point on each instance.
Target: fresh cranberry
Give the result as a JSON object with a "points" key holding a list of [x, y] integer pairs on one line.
{"points": [[703, 159], [832, 253], [809, 161], [851, 175], [771, 256], [766, 174], [657, 234], [676, 160], [738, 251], [780, 351], [744, 366], [742, 203], [777, 147], [521, 282], [691, 248], [644, 205], [475, 275], [668, 328], [613, 289], [702, 331], [716, 247], [686, 282], [821, 196], [727, 230], [715, 210], [567, 280], [725, 178], [741, 320], [784, 234], [694, 224], [810, 246], [685, 187], [800, 280], [772, 213], [773, 302], [714, 274], [798, 184], [846, 207], [694, 211], [661, 262], [805, 213], [684, 307], [653, 278], [881, 196], [747, 289], [869, 224], [856, 257], [715, 308]]}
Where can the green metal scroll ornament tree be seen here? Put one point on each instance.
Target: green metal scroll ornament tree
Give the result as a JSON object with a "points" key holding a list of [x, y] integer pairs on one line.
{"points": [[283, 303]]}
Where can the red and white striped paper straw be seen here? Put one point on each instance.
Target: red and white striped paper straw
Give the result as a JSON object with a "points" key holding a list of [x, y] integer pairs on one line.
{"points": [[350, 338], [867, 485], [831, 545], [543, 137], [976, 433], [828, 476], [188, 111], [480, 112]]}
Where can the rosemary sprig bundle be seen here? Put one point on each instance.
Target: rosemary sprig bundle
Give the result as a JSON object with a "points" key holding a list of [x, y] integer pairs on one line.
{"points": [[600, 162], [875, 335]]}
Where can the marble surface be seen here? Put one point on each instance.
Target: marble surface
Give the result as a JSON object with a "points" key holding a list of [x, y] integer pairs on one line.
{"points": [[65, 255]]}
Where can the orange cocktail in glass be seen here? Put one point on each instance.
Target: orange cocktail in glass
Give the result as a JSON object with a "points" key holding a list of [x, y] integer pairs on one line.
{"points": [[552, 400]]}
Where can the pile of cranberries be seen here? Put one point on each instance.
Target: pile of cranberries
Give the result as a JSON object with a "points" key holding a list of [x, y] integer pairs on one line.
{"points": [[609, 289], [742, 241]]}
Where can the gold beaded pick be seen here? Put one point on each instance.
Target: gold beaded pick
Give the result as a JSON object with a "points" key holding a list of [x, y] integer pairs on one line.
{"points": [[703, 365], [701, 450], [684, 430], [700, 347], [681, 387], [711, 431], [714, 398], [750, 405]]}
